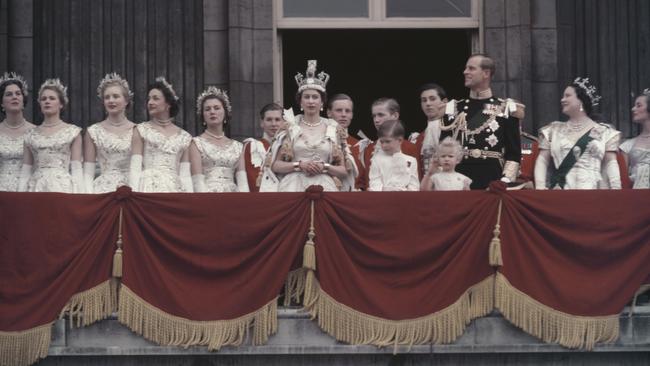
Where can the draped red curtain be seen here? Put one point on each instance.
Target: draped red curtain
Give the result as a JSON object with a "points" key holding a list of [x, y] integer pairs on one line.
{"points": [[384, 268]]}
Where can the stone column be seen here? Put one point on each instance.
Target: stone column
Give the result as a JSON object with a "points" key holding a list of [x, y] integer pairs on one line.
{"points": [[21, 43], [250, 63], [4, 35]]}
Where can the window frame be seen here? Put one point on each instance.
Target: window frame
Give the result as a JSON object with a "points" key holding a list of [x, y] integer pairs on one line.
{"points": [[377, 19]]}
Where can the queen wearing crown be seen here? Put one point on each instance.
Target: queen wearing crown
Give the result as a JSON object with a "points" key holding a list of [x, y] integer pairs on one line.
{"points": [[216, 161], [13, 129], [160, 159], [579, 153], [310, 149], [52, 154], [109, 141]]}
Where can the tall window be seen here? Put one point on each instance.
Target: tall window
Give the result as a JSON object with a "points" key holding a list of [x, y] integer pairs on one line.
{"points": [[377, 13]]}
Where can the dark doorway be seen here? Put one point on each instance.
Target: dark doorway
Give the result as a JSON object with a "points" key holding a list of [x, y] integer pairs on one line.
{"points": [[369, 64]]}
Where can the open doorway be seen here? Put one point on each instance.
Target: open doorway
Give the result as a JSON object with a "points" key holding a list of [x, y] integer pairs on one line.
{"points": [[369, 64]]}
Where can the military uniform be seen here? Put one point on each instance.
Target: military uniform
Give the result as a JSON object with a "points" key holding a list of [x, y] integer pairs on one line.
{"points": [[488, 130]]}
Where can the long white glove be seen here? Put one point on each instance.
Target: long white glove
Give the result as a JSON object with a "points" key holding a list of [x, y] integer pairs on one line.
{"points": [[25, 174], [614, 174], [89, 176], [242, 181], [135, 171], [198, 180], [185, 177], [76, 171], [541, 167]]}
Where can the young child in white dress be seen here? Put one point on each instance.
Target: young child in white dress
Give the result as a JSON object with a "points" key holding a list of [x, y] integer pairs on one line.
{"points": [[442, 175], [391, 170]]}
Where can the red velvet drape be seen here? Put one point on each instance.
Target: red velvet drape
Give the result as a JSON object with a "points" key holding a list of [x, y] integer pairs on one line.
{"points": [[52, 246], [403, 255], [580, 252]]}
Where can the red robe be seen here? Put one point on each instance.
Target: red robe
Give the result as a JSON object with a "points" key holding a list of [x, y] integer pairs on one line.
{"points": [[354, 149], [253, 172]]}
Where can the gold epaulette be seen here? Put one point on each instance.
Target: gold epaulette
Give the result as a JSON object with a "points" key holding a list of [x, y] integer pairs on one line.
{"points": [[513, 108]]}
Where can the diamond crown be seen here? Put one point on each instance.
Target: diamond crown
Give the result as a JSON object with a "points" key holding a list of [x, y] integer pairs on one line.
{"points": [[113, 79], [168, 86], [214, 92], [310, 80], [55, 84], [12, 76], [585, 85]]}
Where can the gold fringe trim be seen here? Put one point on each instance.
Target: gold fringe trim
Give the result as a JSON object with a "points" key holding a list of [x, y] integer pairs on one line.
{"points": [[445, 326], [496, 259], [168, 330], [25, 347], [550, 325], [28, 346], [92, 305], [294, 288]]}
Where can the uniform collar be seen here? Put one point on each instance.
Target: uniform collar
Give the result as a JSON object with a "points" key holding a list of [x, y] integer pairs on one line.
{"points": [[484, 94]]}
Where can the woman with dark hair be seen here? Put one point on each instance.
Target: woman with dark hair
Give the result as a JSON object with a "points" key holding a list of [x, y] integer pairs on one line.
{"points": [[13, 128], [216, 161], [160, 149], [310, 150], [109, 141], [53, 148], [637, 150], [579, 153]]}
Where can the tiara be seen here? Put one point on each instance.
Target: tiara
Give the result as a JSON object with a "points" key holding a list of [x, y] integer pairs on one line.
{"points": [[15, 77], [584, 84], [167, 85], [311, 81], [213, 92], [112, 79], [55, 84], [646, 92]]}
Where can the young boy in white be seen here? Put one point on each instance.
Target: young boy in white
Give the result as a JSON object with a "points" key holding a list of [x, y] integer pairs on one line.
{"points": [[442, 175], [391, 170]]}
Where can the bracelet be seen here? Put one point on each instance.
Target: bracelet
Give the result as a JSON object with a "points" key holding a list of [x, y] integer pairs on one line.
{"points": [[326, 167], [296, 166]]}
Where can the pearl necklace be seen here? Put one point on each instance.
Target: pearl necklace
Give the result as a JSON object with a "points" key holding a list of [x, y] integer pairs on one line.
{"points": [[119, 124], [576, 126], [311, 124], [51, 124], [163, 122], [218, 137], [21, 124]]}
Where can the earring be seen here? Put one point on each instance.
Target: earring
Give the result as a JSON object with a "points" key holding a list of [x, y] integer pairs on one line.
{"points": [[204, 124], [225, 121], [581, 109], [321, 109], [301, 109]]}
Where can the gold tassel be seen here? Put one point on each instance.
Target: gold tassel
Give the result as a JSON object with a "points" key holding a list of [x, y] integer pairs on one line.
{"points": [[117, 257], [25, 347], [495, 245], [445, 326], [169, 330], [550, 325], [309, 251]]}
